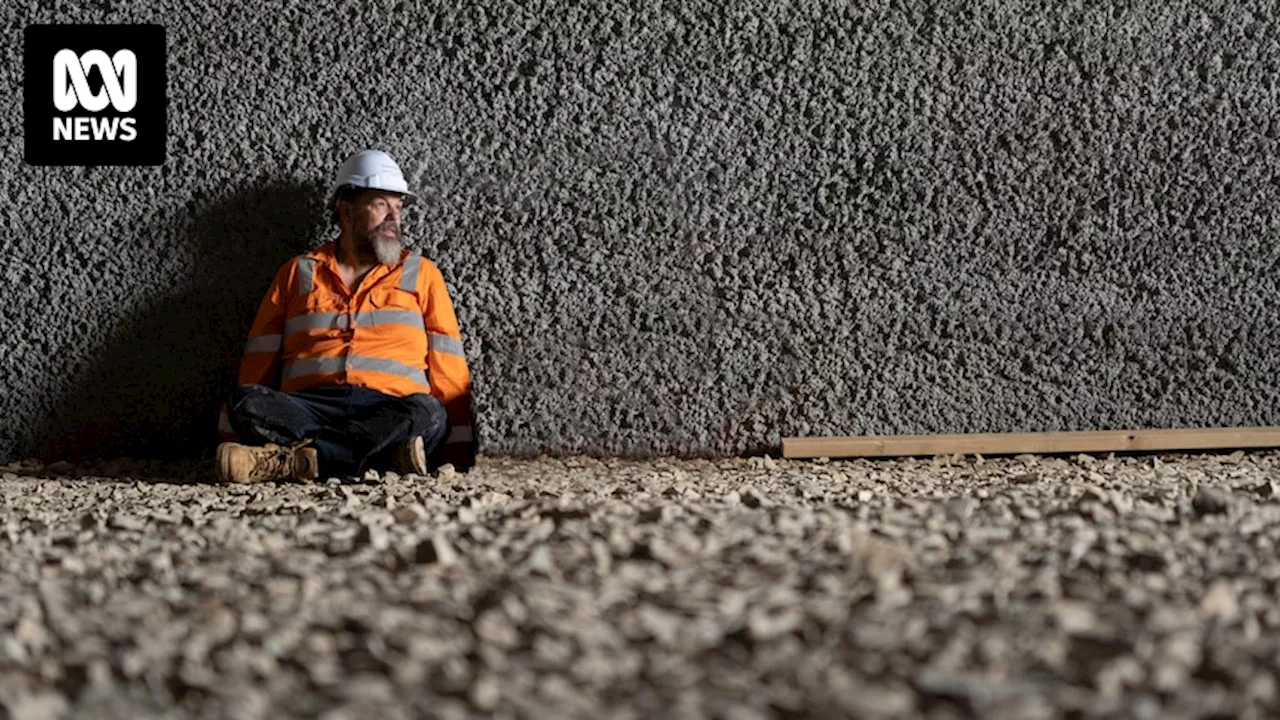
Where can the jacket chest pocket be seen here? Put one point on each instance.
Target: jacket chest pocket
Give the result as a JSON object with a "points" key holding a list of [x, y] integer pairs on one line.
{"points": [[317, 301], [391, 306], [318, 312]]}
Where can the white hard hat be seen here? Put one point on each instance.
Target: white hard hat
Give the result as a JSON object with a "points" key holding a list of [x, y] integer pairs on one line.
{"points": [[371, 170]]}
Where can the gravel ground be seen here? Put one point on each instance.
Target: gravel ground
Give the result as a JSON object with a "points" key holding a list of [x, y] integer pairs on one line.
{"points": [[1141, 586]]}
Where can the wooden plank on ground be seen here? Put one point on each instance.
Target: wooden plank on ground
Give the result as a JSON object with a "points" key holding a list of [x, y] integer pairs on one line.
{"points": [[1075, 441]]}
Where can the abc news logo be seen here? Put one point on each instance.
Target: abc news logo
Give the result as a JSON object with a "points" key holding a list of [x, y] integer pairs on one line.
{"points": [[71, 89], [95, 95]]}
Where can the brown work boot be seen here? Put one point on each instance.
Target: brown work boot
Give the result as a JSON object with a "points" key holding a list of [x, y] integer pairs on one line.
{"points": [[412, 457], [251, 464]]}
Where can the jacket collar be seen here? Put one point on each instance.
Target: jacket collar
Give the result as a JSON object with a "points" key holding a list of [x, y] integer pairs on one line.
{"points": [[327, 255]]}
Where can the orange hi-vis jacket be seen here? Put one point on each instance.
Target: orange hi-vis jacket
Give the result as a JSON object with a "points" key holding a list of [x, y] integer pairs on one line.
{"points": [[395, 333]]}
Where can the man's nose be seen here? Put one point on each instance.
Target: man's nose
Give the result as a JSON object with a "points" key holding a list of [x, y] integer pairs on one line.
{"points": [[394, 215]]}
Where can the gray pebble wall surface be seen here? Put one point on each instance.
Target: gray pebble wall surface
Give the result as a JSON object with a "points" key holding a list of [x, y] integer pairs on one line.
{"points": [[686, 228]]}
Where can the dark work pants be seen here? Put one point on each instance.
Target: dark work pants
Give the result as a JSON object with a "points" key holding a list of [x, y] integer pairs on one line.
{"points": [[352, 428]]}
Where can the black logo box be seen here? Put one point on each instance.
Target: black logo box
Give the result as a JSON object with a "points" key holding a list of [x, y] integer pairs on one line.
{"points": [[147, 42]]}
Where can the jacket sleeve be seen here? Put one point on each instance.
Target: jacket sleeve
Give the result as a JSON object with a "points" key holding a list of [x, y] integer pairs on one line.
{"points": [[447, 369], [260, 364]]}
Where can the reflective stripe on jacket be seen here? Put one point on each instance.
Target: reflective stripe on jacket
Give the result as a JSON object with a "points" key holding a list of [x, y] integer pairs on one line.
{"points": [[396, 333]]}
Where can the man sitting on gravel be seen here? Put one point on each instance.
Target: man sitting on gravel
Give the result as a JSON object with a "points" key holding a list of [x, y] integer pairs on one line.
{"points": [[354, 360]]}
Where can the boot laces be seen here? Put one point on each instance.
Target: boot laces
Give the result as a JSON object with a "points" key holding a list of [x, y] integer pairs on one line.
{"points": [[277, 463]]}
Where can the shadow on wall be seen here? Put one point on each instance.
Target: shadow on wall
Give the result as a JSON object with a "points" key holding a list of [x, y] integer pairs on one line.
{"points": [[156, 387]]}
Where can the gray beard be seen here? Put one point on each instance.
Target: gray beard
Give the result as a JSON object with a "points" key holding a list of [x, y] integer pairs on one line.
{"points": [[387, 250], [384, 250]]}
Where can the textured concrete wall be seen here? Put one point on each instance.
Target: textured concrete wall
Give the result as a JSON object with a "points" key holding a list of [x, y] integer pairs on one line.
{"points": [[687, 227]]}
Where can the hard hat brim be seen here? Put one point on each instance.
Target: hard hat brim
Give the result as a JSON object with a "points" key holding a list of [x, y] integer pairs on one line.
{"points": [[409, 197]]}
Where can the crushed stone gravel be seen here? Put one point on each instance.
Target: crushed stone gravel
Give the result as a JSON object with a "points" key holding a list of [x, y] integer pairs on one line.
{"points": [[1029, 587]]}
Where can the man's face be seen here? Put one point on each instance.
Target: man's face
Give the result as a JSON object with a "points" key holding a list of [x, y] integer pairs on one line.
{"points": [[374, 219]]}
